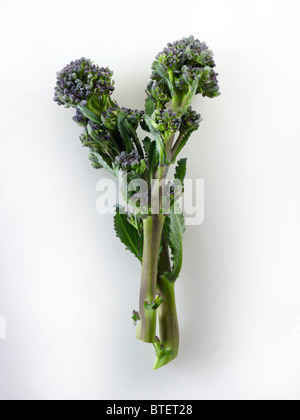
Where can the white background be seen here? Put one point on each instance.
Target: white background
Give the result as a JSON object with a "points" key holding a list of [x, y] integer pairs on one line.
{"points": [[68, 286]]}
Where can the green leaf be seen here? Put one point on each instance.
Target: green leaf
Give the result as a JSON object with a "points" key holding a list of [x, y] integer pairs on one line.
{"points": [[176, 228], [89, 114], [132, 134], [129, 128], [180, 170], [153, 159], [150, 105], [151, 155], [143, 167], [97, 104], [123, 129], [156, 66], [102, 162], [147, 146], [97, 140], [158, 138], [127, 234]]}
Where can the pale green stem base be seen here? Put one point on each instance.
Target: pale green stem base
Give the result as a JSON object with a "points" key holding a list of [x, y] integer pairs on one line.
{"points": [[167, 314], [168, 324], [153, 226]]}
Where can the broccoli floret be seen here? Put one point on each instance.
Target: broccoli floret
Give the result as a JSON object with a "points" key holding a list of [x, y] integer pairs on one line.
{"points": [[110, 117], [184, 60], [79, 81], [80, 119], [128, 161], [190, 119], [166, 121], [186, 51], [94, 135], [134, 116]]}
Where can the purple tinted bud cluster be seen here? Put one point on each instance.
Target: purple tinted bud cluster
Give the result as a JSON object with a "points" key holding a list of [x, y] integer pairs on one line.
{"points": [[100, 133], [187, 59], [167, 121], [79, 81], [186, 51], [208, 83], [190, 119], [97, 129], [134, 116], [80, 119], [96, 137], [128, 161], [110, 117]]}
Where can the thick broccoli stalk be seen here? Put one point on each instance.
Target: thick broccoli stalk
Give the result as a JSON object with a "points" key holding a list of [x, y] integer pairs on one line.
{"points": [[151, 230]]}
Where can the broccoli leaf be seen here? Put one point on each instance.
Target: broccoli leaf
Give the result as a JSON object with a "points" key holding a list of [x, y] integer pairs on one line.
{"points": [[89, 114], [126, 136], [176, 228], [153, 159], [147, 145], [127, 234], [132, 134], [158, 138], [180, 170], [151, 155]]}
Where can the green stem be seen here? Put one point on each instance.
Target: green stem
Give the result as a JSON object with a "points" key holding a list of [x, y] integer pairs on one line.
{"points": [[176, 145], [167, 314], [176, 102], [138, 146], [153, 226]]}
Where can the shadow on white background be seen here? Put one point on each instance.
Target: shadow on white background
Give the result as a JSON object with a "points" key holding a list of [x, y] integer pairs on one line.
{"points": [[2, 328]]}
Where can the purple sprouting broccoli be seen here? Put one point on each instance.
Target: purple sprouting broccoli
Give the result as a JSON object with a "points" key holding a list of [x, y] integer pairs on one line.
{"points": [[151, 228]]}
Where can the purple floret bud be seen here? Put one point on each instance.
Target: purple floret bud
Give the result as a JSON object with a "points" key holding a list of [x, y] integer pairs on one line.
{"points": [[128, 161], [190, 119], [167, 121], [80, 119]]}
